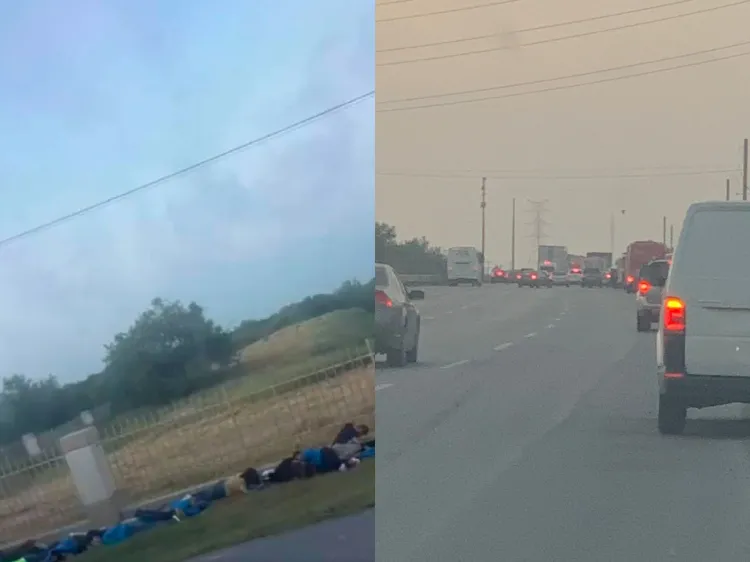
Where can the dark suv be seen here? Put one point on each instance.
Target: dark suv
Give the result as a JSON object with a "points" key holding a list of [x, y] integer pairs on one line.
{"points": [[592, 277]]}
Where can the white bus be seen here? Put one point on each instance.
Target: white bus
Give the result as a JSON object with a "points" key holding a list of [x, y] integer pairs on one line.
{"points": [[465, 266]]}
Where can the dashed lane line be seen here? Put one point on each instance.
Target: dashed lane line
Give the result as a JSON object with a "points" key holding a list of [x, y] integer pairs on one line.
{"points": [[531, 335], [503, 346], [383, 386], [456, 364], [550, 325]]}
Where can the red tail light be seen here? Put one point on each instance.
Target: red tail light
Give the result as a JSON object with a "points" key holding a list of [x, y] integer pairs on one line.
{"points": [[674, 314], [518, 276], [533, 275], [643, 287], [382, 298], [630, 279], [607, 275]]}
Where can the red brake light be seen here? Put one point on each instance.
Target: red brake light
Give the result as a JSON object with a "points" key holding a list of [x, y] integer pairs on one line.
{"points": [[518, 276], [643, 287], [630, 279], [533, 275], [382, 298], [607, 275], [674, 314]]}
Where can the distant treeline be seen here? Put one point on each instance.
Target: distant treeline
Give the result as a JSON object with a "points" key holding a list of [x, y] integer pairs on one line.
{"points": [[170, 351], [410, 257]]}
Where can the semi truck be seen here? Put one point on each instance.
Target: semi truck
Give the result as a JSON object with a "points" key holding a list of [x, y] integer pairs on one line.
{"points": [[606, 256], [553, 255], [637, 255]]}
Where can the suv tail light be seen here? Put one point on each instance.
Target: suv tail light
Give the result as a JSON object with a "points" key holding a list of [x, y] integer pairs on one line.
{"points": [[630, 279], [674, 315], [518, 276], [533, 275], [643, 287], [382, 298]]}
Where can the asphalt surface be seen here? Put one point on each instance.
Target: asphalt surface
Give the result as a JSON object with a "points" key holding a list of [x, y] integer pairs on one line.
{"points": [[527, 432], [349, 539]]}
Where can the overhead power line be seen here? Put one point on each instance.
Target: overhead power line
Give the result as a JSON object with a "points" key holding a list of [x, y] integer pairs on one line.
{"points": [[450, 11], [538, 27], [577, 85], [560, 177], [568, 37], [572, 76], [389, 2], [143, 187]]}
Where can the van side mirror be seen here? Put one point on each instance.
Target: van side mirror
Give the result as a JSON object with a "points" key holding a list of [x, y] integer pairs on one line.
{"points": [[416, 295]]}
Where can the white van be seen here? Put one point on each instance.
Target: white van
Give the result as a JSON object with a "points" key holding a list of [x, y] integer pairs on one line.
{"points": [[465, 266], [703, 342]]}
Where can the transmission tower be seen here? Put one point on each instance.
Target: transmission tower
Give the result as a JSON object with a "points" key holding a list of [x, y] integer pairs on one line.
{"points": [[538, 224]]}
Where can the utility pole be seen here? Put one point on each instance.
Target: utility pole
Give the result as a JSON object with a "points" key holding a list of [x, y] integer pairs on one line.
{"points": [[671, 237], [664, 230], [728, 189], [513, 238], [538, 224], [744, 171], [483, 206], [612, 234]]}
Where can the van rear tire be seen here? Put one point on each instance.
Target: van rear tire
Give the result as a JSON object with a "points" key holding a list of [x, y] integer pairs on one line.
{"points": [[672, 416]]}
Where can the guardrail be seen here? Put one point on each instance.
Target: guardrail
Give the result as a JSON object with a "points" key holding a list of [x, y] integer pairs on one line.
{"points": [[414, 279]]}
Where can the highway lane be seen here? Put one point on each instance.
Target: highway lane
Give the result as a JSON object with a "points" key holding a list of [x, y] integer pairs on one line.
{"points": [[548, 449], [349, 539]]}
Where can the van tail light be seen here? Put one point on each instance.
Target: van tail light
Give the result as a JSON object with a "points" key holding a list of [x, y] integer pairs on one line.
{"points": [[630, 279], [674, 315], [643, 287], [382, 298]]}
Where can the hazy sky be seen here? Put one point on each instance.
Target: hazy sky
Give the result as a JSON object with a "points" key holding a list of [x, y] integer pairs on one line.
{"points": [[688, 120], [97, 97]]}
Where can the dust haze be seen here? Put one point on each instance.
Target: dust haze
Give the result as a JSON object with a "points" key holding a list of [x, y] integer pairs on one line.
{"points": [[647, 145]]}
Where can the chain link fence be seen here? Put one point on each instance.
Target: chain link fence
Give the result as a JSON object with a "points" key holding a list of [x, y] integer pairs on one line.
{"points": [[192, 442]]}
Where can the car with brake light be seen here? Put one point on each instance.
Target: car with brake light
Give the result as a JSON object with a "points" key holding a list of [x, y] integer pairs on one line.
{"points": [[575, 276], [397, 320], [648, 297], [498, 275], [703, 340], [527, 277]]}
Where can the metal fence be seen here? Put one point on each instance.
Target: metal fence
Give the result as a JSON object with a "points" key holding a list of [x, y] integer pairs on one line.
{"points": [[194, 441]]}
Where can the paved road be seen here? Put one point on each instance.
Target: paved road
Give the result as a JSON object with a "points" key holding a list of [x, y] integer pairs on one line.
{"points": [[528, 434], [350, 539]]}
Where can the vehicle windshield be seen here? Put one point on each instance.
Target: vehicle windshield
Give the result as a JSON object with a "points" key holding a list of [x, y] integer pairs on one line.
{"points": [[654, 272]]}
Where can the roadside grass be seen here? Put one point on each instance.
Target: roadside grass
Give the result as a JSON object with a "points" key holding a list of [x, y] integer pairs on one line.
{"points": [[255, 515]]}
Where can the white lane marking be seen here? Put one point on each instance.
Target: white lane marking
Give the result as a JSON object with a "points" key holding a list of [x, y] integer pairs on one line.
{"points": [[502, 346], [456, 364], [531, 335], [557, 319], [464, 307], [379, 387], [428, 318], [550, 325], [449, 312], [562, 313]]}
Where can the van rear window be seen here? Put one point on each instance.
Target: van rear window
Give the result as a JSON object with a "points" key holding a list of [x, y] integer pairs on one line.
{"points": [[716, 244]]}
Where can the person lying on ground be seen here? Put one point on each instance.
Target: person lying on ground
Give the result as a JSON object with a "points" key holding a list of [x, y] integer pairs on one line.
{"points": [[290, 468], [348, 443], [326, 459]]}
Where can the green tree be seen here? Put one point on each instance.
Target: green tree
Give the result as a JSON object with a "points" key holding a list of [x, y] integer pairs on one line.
{"points": [[415, 256], [167, 353]]}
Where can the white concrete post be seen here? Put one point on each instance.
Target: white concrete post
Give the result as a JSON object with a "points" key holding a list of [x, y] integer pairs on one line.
{"points": [[92, 476]]}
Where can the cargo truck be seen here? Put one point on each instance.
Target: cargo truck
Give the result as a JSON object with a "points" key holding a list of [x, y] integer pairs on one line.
{"points": [[637, 255], [556, 256]]}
